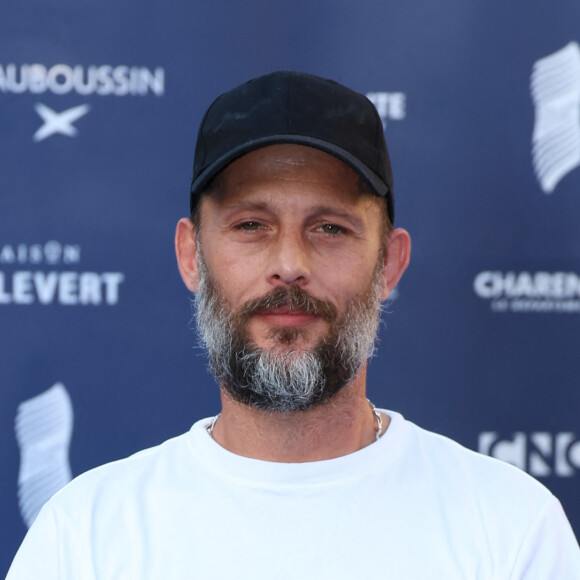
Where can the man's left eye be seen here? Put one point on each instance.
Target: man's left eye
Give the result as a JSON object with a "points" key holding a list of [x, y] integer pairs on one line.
{"points": [[331, 229], [249, 226]]}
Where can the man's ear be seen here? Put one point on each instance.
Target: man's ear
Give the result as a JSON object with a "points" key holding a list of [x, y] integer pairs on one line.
{"points": [[397, 259], [186, 251]]}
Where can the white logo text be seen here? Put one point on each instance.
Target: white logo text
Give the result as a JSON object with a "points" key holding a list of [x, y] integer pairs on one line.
{"points": [[529, 291], [67, 288], [541, 454], [62, 79], [51, 252], [389, 105]]}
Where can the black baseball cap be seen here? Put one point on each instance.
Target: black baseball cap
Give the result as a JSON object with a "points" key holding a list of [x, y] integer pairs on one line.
{"points": [[294, 107]]}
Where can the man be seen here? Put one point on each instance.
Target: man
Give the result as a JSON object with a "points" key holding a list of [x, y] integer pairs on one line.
{"points": [[290, 250]]}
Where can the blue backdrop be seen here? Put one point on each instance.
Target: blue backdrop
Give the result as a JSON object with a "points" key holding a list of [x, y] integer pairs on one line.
{"points": [[99, 108]]}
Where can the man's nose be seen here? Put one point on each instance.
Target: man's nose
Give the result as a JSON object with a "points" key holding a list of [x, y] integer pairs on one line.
{"points": [[289, 260]]}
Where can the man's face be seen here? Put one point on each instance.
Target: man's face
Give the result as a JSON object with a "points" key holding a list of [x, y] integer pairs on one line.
{"points": [[291, 257]]}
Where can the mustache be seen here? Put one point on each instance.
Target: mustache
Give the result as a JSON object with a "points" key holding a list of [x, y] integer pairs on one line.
{"points": [[292, 297]]}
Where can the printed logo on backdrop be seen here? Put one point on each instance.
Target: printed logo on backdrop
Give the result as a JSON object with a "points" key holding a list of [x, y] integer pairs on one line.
{"points": [[389, 105], [525, 292], [555, 88], [54, 122], [541, 454], [43, 430], [50, 273], [64, 79]]}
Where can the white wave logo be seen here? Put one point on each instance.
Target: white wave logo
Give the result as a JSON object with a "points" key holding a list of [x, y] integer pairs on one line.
{"points": [[555, 86], [43, 430]]}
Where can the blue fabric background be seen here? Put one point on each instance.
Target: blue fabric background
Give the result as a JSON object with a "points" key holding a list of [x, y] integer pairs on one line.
{"points": [[465, 188]]}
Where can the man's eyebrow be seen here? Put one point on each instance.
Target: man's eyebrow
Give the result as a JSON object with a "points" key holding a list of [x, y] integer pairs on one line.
{"points": [[330, 211]]}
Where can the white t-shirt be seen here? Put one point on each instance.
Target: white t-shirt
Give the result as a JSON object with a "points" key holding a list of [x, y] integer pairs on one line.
{"points": [[412, 506]]}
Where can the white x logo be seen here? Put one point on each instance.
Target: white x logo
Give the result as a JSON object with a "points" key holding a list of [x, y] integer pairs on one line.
{"points": [[58, 122]]}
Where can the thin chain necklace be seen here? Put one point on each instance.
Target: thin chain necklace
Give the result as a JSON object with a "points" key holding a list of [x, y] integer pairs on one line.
{"points": [[212, 425], [376, 413], [378, 419]]}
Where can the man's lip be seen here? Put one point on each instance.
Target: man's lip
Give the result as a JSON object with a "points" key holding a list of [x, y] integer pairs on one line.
{"points": [[284, 310], [286, 316]]}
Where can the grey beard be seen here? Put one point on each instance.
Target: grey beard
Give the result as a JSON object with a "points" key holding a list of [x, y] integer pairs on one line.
{"points": [[285, 378]]}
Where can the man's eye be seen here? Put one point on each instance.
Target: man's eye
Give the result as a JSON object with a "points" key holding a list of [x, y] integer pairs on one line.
{"points": [[331, 229], [249, 226]]}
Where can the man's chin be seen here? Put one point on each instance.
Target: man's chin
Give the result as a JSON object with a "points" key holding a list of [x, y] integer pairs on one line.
{"points": [[289, 340]]}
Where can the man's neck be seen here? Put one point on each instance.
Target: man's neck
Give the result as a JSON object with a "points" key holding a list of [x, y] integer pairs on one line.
{"points": [[341, 426]]}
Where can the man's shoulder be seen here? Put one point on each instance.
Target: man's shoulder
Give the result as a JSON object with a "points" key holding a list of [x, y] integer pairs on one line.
{"points": [[469, 474], [497, 512], [110, 482]]}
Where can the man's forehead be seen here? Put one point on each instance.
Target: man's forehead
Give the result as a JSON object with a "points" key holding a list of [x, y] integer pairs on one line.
{"points": [[288, 163], [293, 182]]}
